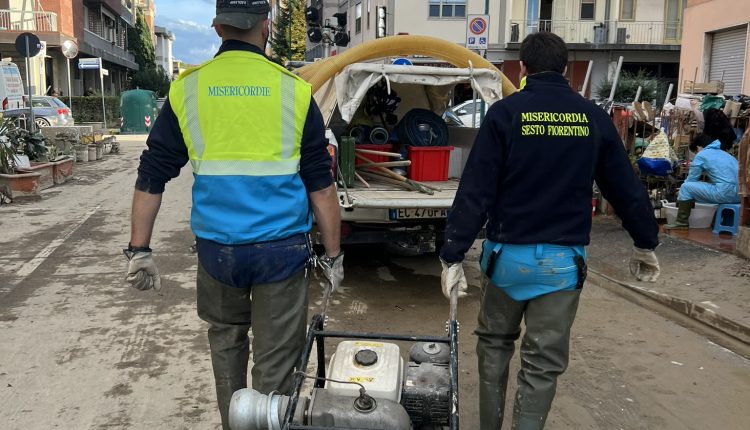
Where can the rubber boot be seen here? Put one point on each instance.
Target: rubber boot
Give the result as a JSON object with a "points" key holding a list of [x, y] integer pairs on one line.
{"points": [[684, 207]]}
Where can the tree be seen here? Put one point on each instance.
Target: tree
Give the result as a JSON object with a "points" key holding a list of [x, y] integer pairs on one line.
{"points": [[141, 45], [290, 24], [627, 87], [154, 79]]}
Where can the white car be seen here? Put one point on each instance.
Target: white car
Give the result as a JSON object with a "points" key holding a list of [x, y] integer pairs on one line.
{"points": [[468, 110]]}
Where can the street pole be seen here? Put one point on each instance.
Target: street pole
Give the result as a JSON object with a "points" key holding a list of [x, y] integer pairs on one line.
{"points": [[28, 84], [70, 92], [481, 106], [104, 106]]}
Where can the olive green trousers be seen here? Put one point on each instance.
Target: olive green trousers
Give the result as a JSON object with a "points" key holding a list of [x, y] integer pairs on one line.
{"points": [[544, 353], [277, 313]]}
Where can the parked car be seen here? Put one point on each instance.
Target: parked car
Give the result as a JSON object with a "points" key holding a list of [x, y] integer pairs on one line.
{"points": [[467, 110], [48, 111]]}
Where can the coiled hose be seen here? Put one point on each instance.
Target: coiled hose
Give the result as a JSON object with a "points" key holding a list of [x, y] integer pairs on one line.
{"points": [[422, 127]]}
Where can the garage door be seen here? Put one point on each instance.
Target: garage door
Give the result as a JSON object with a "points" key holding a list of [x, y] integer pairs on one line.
{"points": [[728, 51]]}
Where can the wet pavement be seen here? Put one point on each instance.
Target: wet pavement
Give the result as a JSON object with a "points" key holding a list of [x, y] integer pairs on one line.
{"points": [[78, 350]]}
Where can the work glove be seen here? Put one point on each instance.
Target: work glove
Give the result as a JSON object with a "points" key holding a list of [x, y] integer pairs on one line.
{"points": [[644, 265], [142, 272], [333, 269], [453, 277]]}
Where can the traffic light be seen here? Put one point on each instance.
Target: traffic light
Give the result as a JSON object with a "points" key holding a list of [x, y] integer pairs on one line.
{"points": [[314, 33], [341, 38], [380, 30], [340, 18]]}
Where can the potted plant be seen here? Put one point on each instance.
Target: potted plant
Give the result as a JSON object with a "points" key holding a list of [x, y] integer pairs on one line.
{"points": [[32, 144], [62, 165], [14, 184]]}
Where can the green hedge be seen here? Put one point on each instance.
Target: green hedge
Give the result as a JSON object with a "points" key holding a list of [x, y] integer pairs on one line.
{"points": [[89, 109]]}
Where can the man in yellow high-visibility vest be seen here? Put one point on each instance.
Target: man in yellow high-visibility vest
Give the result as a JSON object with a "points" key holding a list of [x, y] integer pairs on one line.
{"points": [[256, 142]]}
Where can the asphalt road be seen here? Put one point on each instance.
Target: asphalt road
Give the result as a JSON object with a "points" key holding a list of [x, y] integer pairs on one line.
{"points": [[80, 351]]}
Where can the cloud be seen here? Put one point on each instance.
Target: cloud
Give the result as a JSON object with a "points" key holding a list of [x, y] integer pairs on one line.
{"points": [[190, 21]]}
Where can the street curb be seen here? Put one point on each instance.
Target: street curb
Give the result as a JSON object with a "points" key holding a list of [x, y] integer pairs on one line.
{"points": [[695, 311]]}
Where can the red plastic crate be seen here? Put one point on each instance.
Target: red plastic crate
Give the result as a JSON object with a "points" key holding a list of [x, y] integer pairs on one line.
{"points": [[375, 158], [429, 163]]}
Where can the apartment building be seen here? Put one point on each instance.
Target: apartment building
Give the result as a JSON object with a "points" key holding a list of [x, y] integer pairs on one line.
{"points": [[647, 33], [715, 44], [99, 27], [164, 43]]}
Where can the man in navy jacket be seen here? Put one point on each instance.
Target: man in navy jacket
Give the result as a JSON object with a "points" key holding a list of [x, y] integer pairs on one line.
{"points": [[529, 178]]}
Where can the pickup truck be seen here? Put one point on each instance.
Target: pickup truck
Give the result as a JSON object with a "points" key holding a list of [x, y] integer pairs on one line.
{"points": [[410, 221]]}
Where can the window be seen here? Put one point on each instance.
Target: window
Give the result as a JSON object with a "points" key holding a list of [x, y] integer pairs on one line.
{"points": [[369, 7], [587, 9], [358, 18], [447, 8], [627, 10]]}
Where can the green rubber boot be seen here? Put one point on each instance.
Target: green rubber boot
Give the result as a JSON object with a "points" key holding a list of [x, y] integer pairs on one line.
{"points": [[683, 214]]}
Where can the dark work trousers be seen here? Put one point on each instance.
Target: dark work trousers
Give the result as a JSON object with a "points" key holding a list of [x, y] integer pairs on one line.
{"points": [[278, 315], [544, 353]]}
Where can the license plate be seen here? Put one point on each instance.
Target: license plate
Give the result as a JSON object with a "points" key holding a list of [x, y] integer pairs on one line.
{"points": [[420, 213]]}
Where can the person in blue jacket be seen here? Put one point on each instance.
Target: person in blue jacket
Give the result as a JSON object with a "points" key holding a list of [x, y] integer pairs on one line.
{"points": [[722, 171], [529, 177]]}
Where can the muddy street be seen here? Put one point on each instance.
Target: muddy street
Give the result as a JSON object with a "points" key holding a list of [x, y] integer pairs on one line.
{"points": [[79, 350]]}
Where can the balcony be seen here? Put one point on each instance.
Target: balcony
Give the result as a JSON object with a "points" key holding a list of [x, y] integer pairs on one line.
{"points": [[651, 34], [97, 46], [20, 20]]}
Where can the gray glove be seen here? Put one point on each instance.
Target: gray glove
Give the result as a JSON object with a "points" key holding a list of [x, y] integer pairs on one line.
{"points": [[142, 272], [333, 269], [644, 265], [453, 277]]}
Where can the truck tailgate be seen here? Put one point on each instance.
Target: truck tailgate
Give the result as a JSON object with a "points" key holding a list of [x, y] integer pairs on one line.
{"points": [[384, 196]]}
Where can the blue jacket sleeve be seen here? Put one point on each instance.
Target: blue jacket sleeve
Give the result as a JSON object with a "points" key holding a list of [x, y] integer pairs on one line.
{"points": [[477, 190], [696, 169], [166, 153], [315, 160], [622, 188]]}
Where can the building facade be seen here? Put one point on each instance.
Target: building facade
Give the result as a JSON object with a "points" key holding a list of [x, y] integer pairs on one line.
{"points": [[647, 33], [715, 44], [99, 27], [164, 43]]}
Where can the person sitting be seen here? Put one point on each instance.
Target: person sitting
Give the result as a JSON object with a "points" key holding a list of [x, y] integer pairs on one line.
{"points": [[722, 171]]}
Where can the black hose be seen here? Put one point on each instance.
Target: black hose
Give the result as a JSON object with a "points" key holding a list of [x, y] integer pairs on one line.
{"points": [[421, 127], [379, 136], [360, 133]]}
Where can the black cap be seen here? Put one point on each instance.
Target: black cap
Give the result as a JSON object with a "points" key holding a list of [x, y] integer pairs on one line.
{"points": [[244, 14], [366, 357]]}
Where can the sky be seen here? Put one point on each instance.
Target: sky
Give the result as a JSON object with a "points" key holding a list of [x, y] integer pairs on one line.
{"points": [[190, 21]]}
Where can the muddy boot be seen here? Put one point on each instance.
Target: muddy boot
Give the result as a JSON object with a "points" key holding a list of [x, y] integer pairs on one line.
{"points": [[499, 327], [683, 214], [544, 356]]}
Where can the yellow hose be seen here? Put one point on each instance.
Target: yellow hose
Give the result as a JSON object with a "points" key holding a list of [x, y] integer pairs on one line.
{"points": [[321, 71]]}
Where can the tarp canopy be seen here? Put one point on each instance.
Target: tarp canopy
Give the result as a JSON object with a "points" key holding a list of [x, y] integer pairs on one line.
{"points": [[435, 83]]}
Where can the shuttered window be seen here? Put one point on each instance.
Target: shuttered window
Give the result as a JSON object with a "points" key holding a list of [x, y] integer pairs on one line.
{"points": [[728, 59]]}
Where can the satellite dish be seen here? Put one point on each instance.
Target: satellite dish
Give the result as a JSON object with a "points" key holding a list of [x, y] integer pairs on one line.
{"points": [[69, 49]]}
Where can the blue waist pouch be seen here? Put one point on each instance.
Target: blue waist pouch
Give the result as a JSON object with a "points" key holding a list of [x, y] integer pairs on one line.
{"points": [[525, 272]]}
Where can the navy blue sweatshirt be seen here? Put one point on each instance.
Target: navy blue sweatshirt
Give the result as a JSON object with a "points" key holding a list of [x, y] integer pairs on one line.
{"points": [[531, 171], [167, 153]]}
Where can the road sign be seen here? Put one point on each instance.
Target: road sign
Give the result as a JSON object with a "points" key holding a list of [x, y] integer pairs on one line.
{"points": [[477, 31], [147, 121], [402, 62], [89, 63], [70, 49], [34, 44]]}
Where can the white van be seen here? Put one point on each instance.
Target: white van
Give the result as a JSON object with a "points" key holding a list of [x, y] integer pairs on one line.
{"points": [[11, 86]]}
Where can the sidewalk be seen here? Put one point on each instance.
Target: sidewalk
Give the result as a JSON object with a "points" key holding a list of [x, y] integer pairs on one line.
{"points": [[705, 284]]}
